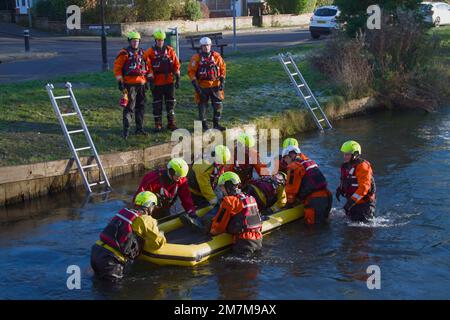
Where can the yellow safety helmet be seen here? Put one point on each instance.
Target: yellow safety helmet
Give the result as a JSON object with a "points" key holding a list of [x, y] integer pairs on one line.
{"points": [[146, 199], [133, 35], [351, 147], [222, 154], [246, 140], [289, 142], [158, 34], [179, 166], [229, 176]]}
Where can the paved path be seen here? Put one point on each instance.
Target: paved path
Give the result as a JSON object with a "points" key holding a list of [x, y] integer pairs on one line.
{"points": [[83, 54]]}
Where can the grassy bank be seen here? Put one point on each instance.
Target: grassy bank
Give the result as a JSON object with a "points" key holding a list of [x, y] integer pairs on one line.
{"points": [[256, 86], [257, 91]]}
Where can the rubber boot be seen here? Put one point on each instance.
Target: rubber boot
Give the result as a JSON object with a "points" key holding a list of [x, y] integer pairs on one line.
{"points": [[158, 125]]}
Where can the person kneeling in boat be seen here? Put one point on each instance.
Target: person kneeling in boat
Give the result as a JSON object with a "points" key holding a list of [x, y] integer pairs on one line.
{"points": [[269, 192], [203, 176], [306, 183], [125, 236], [239, 215], [167, 185], [357, 184]]}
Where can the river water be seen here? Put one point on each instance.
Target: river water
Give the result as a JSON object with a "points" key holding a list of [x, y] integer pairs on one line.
{"points": [[409, 240]]}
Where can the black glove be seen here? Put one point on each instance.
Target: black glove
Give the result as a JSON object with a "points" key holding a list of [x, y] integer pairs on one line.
{"points": [[120, 85], [338, 194], [197, 87], [267, 212], [348, 205], [177, 81], [288, 206], [222, 83]]}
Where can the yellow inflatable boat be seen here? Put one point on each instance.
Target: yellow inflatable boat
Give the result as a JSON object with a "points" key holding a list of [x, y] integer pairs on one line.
{"points": [[190, 251]]}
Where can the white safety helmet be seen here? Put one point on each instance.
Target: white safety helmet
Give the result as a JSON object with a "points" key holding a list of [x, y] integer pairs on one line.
{"points": [[290, 149], [205, 41]]}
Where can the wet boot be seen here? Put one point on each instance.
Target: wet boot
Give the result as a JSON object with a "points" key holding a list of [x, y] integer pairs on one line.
{"points": [[125, 134], [217, 116]]}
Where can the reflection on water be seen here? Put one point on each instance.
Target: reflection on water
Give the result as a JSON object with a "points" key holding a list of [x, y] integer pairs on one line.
{"points": [[408, 239]]}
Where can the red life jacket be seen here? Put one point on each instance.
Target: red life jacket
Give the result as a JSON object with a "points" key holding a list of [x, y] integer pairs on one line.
{"points": [[349, 182], [135, 64], [207, 68], [165, 199], [162, 64], [248, 219], [313, 180], [119, 234]]}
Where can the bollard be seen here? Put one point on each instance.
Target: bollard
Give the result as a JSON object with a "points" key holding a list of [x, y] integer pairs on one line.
{"points": [[26, 36]]}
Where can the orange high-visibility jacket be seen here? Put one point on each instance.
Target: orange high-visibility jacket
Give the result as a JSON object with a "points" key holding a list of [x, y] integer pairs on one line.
{"points": [[119, 63], [193, 68], [364, 189], [162, 78], [230, 206]]}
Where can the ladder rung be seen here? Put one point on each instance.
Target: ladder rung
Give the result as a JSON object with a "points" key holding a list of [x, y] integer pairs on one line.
{"points": [[96, 183], [89, 166], [294, 74], [75, 131], [321, 120], [307, 97], [301, 85], [69, 114], [62, 97], [287, 62], [84, 148], [312, 109]]}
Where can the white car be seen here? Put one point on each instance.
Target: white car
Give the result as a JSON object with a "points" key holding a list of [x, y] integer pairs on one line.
{"points": [[324, 21], [437, 13]]}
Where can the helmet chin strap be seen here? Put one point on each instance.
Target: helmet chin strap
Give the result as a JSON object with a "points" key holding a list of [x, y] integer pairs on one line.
{"points": [[355, 156]]}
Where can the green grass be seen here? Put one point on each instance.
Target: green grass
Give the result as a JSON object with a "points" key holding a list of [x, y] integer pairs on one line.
{"points": [[29, 131], [257, 91]]}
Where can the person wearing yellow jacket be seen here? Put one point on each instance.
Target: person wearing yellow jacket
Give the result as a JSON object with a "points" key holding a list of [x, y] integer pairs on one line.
{"points": [[132, 69], [207, 71], [357, 184], [125, 236], [203, 177], [269, 192]]}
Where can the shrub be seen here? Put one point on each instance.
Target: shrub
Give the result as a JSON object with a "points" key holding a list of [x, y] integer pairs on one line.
{"points": [[288, 6], [205, 10], [345, 61], [55, 10], [321, 3], [193, 10], [154, 10]]}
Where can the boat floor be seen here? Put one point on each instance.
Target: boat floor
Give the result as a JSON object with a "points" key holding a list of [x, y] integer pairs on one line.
{"points": [[187, 235]]}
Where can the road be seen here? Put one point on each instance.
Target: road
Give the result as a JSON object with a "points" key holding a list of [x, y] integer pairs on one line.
{"points": [[83, 54]]}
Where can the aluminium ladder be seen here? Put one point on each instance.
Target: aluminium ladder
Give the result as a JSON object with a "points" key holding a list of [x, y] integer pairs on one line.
{"points": [[68, 135], [304, 91]]}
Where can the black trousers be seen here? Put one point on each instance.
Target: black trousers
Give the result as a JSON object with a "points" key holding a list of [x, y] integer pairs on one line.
{"points": [[105, 264], [136, 105], [164, 94], [212, 94], [244, 247], [362, 212]]}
